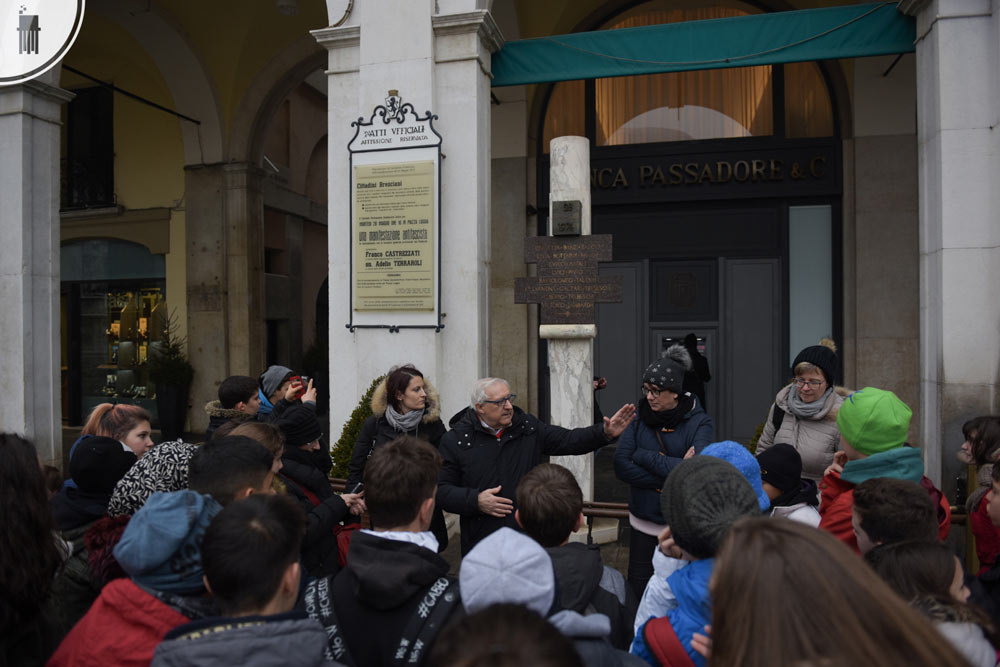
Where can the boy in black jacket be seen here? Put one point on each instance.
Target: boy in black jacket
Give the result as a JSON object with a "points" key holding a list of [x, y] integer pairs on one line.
{"points": [[550, 509], [389, 602]]}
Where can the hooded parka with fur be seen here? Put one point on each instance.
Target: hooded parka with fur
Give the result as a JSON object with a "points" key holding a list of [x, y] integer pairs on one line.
{"points": [[377, 431]]}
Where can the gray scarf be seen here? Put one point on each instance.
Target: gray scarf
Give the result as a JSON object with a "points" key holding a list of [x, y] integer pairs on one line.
{"points": [[804, 410], [404, 423]]}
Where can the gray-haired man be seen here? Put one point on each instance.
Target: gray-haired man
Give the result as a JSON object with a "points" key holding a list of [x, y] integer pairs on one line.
{"points": [[490, 447]]}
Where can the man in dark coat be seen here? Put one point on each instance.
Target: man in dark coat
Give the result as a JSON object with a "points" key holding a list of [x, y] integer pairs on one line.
{"points": [[493, 444]]}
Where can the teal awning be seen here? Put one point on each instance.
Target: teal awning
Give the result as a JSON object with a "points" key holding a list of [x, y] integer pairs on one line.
{"points": [[852, 31]]}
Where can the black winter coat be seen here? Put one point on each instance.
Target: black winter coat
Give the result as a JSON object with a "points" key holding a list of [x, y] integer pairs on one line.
{"points": [[586, 586], [642, 463], [377, 431], [377, 595], [476, 460], [301, 471]]}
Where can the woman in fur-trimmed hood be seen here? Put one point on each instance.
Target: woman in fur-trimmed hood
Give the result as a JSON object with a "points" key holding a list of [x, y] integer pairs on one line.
{"points": [[804, 413], [404, 403]]}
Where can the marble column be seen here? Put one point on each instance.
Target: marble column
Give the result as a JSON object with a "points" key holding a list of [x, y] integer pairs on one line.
{"points": [[30, 363], [571, 346], [957, 102]]}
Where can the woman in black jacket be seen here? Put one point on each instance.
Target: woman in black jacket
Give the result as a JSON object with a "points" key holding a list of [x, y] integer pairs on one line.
{"points": [[404, 403], [305, 472]]}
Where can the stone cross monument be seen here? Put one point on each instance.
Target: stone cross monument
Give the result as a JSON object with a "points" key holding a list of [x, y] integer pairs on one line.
{"points": [[568, 287]]}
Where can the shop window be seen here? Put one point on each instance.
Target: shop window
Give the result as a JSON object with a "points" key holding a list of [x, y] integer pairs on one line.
{"points": [[87, 165], [706, 104], [114, 312], [682, 106], [810, 276], [808, 112]]}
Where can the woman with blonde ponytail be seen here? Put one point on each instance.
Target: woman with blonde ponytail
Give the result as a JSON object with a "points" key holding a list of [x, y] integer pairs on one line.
{"points": [[804, 413]]}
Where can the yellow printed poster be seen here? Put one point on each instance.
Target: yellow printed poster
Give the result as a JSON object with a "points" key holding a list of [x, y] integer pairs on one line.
{"points": [[393, 236]]}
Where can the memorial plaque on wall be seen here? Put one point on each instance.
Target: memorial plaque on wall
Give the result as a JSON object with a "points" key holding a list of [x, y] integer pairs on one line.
{"points": [[395, 219]]}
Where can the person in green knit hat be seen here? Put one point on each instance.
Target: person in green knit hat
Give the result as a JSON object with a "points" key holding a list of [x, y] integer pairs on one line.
{"points": [[873, 424]]}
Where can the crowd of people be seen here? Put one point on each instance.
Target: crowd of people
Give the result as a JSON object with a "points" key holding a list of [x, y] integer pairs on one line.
{"points": [[825, 547]]}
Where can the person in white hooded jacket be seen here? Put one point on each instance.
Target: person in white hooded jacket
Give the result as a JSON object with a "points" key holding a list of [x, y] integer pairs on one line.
{"points": [[510, 567], [791, 496]]}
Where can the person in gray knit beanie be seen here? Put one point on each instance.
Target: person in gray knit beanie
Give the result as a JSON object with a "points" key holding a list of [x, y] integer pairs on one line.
{"points": [[701, 499]]}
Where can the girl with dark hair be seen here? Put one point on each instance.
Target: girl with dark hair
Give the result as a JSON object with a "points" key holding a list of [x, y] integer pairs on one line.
{"points": [[930, 578], [981, 449], [833, 609], [404, 403], [29, 555]]}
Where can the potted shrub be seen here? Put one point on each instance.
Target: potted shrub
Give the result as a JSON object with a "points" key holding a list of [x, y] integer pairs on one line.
{"points": [[172, 373]]}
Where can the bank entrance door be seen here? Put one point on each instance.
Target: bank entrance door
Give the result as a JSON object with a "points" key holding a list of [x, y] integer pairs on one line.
{"points": [[732, 305]]}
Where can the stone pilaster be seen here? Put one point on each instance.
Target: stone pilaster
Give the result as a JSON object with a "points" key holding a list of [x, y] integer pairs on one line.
{"points": [[225, 278], [957, 102], [244, 208], [30, 366], [439, 63]]}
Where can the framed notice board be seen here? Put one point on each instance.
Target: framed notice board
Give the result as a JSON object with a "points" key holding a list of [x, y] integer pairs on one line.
{"points": [[395, 276]]}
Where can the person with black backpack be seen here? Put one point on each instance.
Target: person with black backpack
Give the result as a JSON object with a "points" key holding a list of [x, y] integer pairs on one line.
{"points": [[389, 602], [804, 413]]}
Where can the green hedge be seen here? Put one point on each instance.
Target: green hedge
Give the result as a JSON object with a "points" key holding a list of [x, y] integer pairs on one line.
{"points": [[344, 447]]}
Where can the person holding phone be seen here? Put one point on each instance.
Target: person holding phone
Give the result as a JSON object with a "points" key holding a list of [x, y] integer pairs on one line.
{"points": [[404, 403], [279, 388]]}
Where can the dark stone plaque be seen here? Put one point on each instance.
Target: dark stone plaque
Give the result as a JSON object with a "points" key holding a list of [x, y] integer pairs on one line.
{"points": [[567, 218], [568, 284]]}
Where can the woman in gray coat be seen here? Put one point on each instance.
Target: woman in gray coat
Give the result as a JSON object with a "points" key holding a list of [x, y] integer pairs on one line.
{"points": [[804, 413]]}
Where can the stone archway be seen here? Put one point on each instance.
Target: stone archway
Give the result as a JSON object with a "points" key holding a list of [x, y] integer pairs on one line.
{"points": [[193, 92], [262, 99]]}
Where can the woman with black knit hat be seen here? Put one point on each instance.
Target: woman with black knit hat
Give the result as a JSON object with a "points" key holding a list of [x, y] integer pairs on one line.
{"points": [[305, 469], [804, 413], [672, 426]]}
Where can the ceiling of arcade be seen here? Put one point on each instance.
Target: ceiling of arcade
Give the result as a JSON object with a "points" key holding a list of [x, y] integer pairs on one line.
{"points": [[198, 58]]}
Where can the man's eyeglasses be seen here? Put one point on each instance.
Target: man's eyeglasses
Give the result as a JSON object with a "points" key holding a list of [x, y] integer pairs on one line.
{"points": [[501, 401], [655, 393], [815, 384]]}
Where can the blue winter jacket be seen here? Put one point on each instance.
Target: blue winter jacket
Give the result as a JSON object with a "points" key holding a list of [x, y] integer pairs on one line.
{"points": [[644, 465], [692, 612]]}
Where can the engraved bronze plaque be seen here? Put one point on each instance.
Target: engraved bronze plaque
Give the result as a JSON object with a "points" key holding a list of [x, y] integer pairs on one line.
{"points": [[568, 285]]}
